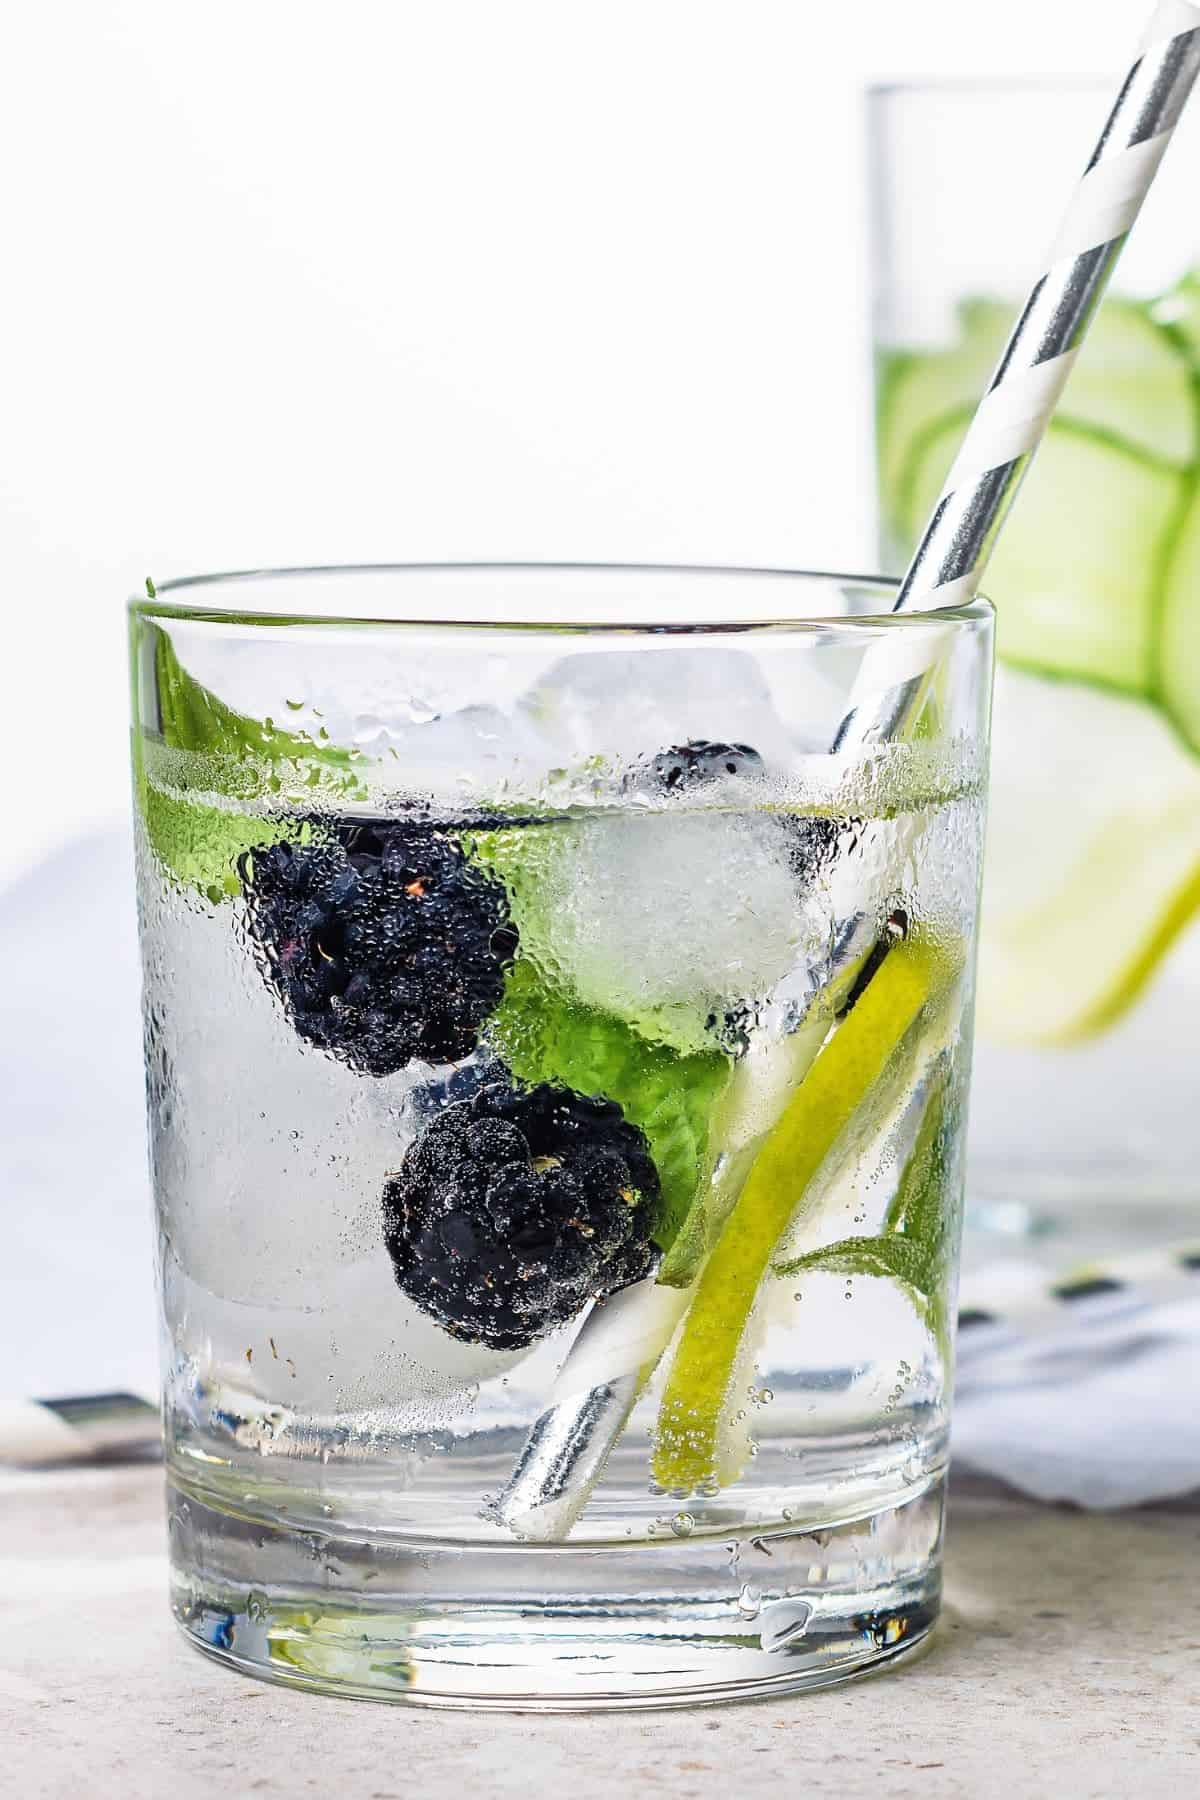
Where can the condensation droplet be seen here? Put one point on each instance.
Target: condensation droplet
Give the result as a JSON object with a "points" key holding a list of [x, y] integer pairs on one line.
{"points": [[784, 1622], [749, 1600]]}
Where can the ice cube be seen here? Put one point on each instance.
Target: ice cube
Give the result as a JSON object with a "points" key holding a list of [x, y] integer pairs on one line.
{"points": [[270, 1157], [628, 705], [476, 754], [670, 921]]}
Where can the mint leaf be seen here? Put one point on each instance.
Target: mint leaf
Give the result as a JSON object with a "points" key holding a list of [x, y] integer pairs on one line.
{"points": [[587, 894], [543, 1034], [192, 744], [191, 718]]}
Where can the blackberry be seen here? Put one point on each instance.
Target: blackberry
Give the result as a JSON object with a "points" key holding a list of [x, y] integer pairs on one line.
{"points": [[384, 945], [688, 765], [812, 842], [514, 1208]]}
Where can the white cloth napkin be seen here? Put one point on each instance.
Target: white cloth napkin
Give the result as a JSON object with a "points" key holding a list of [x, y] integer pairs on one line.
{"points": [[76, 1276], [1094, 1401]]}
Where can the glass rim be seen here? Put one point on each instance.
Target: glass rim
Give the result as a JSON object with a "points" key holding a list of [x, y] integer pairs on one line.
{"points": [[160, 600]]}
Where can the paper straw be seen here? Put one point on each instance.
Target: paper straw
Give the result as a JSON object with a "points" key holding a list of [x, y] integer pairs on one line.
{"points": [[569, 1443], [1012, 416]]}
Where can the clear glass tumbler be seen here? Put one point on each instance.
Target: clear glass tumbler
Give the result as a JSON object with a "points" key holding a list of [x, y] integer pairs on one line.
{"points": [[557, 1066], [1089, 987]]}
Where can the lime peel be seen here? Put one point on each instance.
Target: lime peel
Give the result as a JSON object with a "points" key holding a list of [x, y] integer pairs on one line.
{"points": [[852, 1060]]}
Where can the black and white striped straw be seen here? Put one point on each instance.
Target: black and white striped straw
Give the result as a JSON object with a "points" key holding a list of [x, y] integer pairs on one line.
{"points": [[622, 1341], [1011, 419]]}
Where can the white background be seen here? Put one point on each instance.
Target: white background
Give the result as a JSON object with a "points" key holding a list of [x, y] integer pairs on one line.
{"points": [[511, 278]]}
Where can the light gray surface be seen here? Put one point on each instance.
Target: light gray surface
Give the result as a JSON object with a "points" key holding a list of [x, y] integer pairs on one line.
{"points": [[1066, 1665]]}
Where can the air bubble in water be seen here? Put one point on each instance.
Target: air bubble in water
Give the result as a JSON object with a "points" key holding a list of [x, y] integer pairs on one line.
{"points": [[683, 1524]]}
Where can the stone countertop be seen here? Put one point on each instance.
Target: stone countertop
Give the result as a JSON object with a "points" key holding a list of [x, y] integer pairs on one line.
{"points": [[1067, 1664]]}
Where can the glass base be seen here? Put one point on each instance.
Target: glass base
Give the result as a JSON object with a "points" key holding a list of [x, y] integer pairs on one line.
{"points": [[559, 1628]]}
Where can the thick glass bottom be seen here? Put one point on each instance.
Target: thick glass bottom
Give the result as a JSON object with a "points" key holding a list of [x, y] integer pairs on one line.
{"points": [[561, 1627]]}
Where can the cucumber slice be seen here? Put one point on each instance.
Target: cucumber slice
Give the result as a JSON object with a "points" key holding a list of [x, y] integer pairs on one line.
{"points": [[916, 390], [1093, 858], [1178, 312], [1074, 574], [1179, 630], [1133, 380]]}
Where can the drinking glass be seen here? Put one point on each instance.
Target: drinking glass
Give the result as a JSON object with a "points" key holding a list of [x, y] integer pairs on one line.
{"points": [[522, 971], [1089, 988]]}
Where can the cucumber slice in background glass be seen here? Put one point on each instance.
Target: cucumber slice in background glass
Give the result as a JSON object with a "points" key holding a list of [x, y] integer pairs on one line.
{"points": [[1075, 573], [1093, 858], [1178, 636], [1133, 380]]}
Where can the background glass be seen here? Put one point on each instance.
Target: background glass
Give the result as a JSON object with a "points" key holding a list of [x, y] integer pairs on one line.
{"points": [[1089, 993], [346, 780]]}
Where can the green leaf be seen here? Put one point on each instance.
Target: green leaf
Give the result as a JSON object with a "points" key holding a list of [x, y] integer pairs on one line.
{"points": [[546, 867], [543, 1034], [193, 752], [191, 718]]}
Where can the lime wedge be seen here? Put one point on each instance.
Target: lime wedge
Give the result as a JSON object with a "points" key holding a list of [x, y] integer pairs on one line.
{"points": [[1093, 858], [1074, 575], [1179, 631], [852, 1060]]}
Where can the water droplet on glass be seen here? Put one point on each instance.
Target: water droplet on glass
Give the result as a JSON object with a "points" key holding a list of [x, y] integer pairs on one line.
{"points": [[784, 1622], [749, 1600], [683, 1524], [257, 1604]]}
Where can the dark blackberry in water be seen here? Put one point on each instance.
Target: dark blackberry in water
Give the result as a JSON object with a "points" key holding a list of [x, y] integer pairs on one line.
{"points": [[384, 943], [698, 761], [684, 768], [513, 1209]]}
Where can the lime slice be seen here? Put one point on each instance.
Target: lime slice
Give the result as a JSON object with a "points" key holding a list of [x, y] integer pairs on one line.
{"points": [[1179, 630], [1074, 575], [852, 1060], [1093, 858]]}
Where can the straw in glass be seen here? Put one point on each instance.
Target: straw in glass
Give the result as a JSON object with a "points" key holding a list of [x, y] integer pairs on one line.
{"points": [[623, 1339]]}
